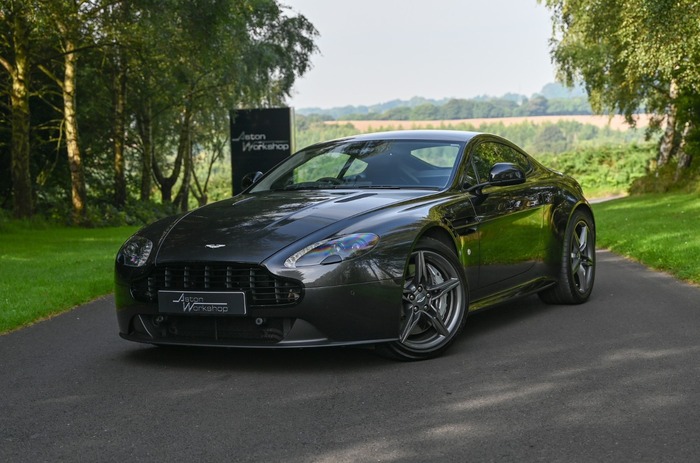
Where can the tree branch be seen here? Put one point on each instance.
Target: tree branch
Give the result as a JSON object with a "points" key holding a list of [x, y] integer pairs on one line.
{"points": [[51, 75]]}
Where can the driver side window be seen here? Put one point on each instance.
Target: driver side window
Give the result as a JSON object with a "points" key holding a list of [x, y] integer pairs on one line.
{"points": [[485, 155]]}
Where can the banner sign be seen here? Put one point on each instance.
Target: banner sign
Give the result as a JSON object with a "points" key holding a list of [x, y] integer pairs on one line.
{"points": [[260, 139]]}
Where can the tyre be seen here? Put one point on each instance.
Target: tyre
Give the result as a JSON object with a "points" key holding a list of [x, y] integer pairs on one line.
{"points": [[577, 272], [434, 303]]}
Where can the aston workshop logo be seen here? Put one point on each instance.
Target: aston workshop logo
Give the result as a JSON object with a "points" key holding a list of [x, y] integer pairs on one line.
{"points": [[259, 142], [197, 304]]}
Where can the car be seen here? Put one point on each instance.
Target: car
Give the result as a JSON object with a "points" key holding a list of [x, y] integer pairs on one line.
{"points": [[385, 239]]}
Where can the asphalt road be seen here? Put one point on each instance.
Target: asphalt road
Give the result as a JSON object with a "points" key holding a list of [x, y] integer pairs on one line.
{"points": [[616, 380]]}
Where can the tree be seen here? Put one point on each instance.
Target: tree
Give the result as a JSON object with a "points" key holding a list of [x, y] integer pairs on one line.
{"points": [[535, 106], [633, 54], [142, 79], [16, 27], [74, 22], [118, 28], [233, 53]]}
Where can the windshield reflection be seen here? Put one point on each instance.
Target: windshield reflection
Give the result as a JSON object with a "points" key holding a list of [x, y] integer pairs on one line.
{"points": [[367, 164]]}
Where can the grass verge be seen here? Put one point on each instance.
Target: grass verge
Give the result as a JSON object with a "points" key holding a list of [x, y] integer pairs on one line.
{"points": [[44, 271], [658, 230]]}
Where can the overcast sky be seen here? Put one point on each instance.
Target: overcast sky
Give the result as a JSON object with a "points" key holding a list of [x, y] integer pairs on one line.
{"points": [[373, 51]]}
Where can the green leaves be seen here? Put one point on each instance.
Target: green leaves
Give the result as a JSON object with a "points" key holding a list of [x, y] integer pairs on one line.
{"points": [[631, 54], [152, 61]]}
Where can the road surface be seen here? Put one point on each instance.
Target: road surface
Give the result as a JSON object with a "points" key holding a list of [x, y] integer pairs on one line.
{"points": [[616, 379]]}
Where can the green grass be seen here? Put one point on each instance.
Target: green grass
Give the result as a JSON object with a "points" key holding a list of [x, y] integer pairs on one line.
{"points": [[658, 230], [47, 270]]}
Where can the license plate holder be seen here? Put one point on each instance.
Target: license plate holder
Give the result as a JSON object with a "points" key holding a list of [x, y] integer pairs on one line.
{"points": [[202, 303]]}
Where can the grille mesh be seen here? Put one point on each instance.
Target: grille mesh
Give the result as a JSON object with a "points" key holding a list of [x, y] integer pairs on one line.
{"points": [[261, 287]]}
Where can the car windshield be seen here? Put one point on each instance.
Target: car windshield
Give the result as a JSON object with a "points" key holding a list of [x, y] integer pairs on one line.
{"points": [[366, 164]]}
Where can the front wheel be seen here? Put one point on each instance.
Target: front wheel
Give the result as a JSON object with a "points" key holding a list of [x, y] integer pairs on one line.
{"points": [[577, 272], [434, 303]]}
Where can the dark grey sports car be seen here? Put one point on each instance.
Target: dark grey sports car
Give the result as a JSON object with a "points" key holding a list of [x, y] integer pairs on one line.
{"points": [[388, 239]]}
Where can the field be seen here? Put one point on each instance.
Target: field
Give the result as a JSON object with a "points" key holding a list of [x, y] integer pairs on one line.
{"points": [[616, 122]]}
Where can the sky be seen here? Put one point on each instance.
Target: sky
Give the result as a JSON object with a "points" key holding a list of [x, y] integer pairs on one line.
{"points": [[374, 51]]}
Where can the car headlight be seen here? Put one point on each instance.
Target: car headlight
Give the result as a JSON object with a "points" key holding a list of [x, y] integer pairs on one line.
{"points": [[135, 251], [333, 250]]}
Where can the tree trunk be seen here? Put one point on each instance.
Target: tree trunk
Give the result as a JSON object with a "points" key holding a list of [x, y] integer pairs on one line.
{"points": [[145, 128], [167, 183], [183, 195], [19, 100], [119, 129], [684, 158], [667, 140], [75, 163], [200, 189], [185, 146]]}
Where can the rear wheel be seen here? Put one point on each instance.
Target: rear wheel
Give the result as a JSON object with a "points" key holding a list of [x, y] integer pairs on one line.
{"points": [[434, 303], [577, 272]]}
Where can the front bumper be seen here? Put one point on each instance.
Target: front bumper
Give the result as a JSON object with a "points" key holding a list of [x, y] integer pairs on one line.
{"points": [[362, 313]]}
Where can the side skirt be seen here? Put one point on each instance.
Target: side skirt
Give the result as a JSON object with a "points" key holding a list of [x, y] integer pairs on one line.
{"points": [[525, 289]]}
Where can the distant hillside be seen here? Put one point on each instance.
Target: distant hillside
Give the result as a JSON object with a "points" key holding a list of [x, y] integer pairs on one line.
{"points": [[553, 99], [342, 111]]}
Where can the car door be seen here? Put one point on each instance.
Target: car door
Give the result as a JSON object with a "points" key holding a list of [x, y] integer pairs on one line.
{"points": [[509, 219]]}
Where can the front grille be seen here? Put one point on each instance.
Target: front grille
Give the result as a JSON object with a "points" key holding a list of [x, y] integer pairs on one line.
{"points": [[262, 288]]}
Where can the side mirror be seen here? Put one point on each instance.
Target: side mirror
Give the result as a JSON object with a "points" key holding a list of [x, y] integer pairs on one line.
{"points": [[250, 178], [506, 173], [501, 174]]}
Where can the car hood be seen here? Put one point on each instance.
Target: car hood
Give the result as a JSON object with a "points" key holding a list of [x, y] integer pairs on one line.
{"points": [[251, 228]]}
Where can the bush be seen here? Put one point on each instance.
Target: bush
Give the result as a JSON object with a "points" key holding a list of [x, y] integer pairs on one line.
{"points": [[663, 180], [105, 214], [603, 171]]}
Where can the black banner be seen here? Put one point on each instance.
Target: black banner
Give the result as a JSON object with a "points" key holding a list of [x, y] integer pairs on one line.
{"points": [[260, 139]]}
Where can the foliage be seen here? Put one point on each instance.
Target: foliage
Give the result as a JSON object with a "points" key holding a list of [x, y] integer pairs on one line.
{"points": [[605, 170], [49, 269], [659, 230], [663, 180], [310, 130], [476, 108], [631, 54], [536, 138], [150, 85], [551, 91]]}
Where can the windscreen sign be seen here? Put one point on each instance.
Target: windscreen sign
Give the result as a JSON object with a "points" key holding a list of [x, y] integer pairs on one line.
{"points": [[260, 139]]}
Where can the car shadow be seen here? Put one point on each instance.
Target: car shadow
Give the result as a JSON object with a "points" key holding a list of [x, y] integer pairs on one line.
{"points": [[508, 313], [278, 360], [323, 358]]}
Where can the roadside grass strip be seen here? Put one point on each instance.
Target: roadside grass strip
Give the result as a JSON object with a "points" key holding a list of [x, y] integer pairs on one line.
{"points": [[45, 271], [658, 230]]}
